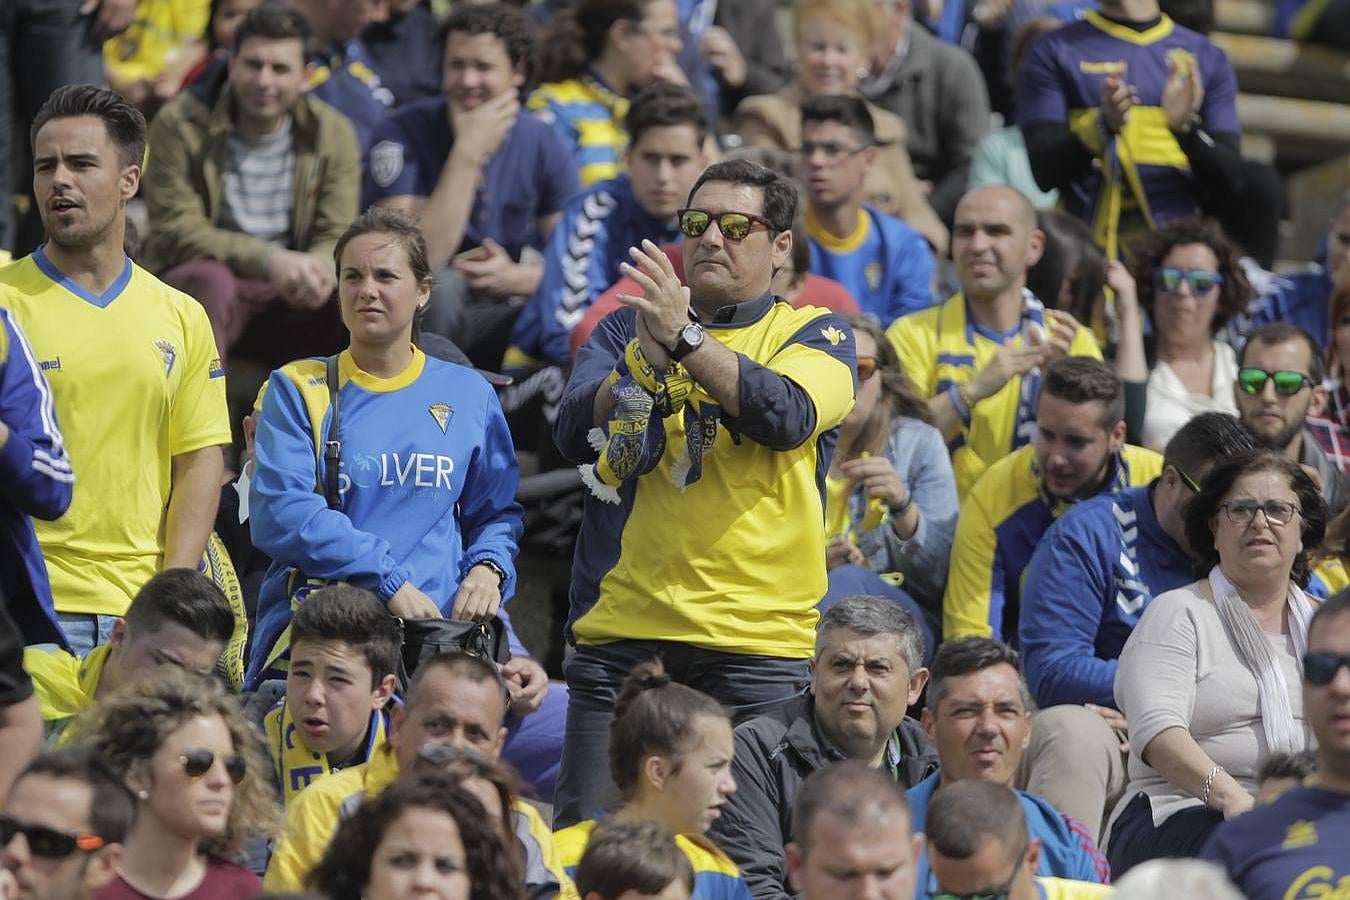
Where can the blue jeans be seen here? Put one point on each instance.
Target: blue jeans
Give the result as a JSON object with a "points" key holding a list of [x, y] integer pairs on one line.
{"points": [[746, 685], [43, 44], [86, 631], [848, 581]]}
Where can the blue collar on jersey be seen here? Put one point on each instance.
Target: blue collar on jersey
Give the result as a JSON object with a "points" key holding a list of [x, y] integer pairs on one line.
{"points": [[736, 315], [114, 290]]}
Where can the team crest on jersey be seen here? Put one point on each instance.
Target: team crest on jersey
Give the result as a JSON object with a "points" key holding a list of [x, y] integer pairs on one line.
{"points": [[1301, 834], [441, 412], [170, 354], [1184, 59], [386, 162], [216, 369], [872, 272], [833, 335]]}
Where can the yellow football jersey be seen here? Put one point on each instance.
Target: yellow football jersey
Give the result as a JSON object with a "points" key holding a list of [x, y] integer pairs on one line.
{"points": [[136, 381]]}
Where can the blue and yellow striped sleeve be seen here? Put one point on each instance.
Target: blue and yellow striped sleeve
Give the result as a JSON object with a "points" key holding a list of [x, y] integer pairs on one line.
{"points": [[974, 575], [715, 876]]}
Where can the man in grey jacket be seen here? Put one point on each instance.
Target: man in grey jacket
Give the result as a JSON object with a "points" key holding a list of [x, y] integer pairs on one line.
{"points": [[1275, 401], [866, 672], [938, 90]]}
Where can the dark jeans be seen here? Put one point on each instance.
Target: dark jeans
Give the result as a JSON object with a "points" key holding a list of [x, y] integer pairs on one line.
{"points": [[746, 685], [1135, 839], [43, 44]]}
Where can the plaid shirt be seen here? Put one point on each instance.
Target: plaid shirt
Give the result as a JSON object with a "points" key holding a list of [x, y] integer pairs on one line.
{"points": [[1332, 428]]}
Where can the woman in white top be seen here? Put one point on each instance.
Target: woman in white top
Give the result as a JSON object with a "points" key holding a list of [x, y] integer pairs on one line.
{"points": [[1210, 678], [1190, 283]]}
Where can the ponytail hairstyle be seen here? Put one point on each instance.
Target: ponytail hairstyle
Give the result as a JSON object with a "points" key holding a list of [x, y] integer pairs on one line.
{"points": [[653, 716], [576, 37]]}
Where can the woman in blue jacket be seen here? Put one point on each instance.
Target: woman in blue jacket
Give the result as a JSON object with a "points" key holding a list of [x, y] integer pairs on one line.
{"points": [[426, 516]]}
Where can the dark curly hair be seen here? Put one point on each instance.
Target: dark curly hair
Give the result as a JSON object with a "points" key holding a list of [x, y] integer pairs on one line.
{"points": [[510, 25], [1204, 506], [344, 871], [1235, 292]]}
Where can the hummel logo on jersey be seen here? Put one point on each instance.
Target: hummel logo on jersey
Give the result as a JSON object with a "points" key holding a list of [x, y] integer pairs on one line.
{"points": [[170, 354], [441, 412], [833, 335], [50, 365]]}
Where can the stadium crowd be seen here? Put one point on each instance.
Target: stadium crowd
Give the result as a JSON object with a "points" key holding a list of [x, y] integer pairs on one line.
{"points": [[956, 489]]}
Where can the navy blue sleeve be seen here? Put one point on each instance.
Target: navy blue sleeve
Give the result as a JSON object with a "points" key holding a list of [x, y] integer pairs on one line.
{"points": [[557, 173], [778, 409], [1066, 584], [595, 360]]}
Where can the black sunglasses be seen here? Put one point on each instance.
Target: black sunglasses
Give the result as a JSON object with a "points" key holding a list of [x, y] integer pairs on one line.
{"points": [[1287, 383], [1320, 668], [198, 762], [735, 226], [47, 842]]}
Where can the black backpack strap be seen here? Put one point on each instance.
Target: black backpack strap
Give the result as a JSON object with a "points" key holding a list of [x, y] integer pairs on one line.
{"points": [[332, 448]]}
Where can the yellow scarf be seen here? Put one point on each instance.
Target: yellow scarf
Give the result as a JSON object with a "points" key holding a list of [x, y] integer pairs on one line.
{"points": [[297, 766]]}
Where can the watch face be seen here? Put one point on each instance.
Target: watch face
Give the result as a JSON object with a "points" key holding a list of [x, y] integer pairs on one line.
{"points": [[692, 335]]}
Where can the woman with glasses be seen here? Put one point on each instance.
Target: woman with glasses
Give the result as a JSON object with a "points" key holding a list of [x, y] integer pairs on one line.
{"points": [[670, 750], [1210, 678], [202, 785], [833, 38], [890, 504], [1190, 284], [425, 837], [594, 56]]}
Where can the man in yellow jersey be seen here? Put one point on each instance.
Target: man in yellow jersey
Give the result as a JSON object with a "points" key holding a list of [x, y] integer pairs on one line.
{"points": [[132, 366], [1079, 452], [456, 702], [977, 357], [978, 845], [703, 536]]}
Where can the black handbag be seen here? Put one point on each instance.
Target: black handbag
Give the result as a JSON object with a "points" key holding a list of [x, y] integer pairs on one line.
{"points": [[421, 638]]}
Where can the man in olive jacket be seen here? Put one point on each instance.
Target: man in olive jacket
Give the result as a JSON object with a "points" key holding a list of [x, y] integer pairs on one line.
{"points": [[866, 672], [249, 184]]}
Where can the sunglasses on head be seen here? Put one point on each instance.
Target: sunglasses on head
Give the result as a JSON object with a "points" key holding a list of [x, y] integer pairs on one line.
{"points": [[1287, 383], [867, 367], [735, 226], [1320, 668], [198, 762], [1198, 281], [47, 842]]}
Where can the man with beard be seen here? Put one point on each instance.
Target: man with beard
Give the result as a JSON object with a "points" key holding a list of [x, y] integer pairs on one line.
{"points": [[1279, 384], [1079, 452], [132, 367]]}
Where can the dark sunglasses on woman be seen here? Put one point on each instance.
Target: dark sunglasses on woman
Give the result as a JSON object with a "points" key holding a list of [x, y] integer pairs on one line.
{"points": [[1198, 281], [47, 842], [198, 762]]}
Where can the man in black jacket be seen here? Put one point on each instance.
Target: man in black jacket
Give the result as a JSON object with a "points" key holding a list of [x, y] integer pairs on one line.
{"points": [[866, 672]]}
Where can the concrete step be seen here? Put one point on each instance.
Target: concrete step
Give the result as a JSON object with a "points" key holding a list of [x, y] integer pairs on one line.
{"points": [[1287, 68]]}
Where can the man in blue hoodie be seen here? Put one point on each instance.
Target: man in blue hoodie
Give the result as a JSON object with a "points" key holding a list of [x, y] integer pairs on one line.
{"points": [[979, 717], [1085, 588]]}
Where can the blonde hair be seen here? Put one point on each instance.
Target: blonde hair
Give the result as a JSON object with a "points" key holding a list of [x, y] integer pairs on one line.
{"points": [[858, 16], [129, 726]]}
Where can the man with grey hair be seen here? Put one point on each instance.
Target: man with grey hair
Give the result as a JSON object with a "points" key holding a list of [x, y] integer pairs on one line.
{"points": [[867, 670], [1191, 878], [850, 821]]}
